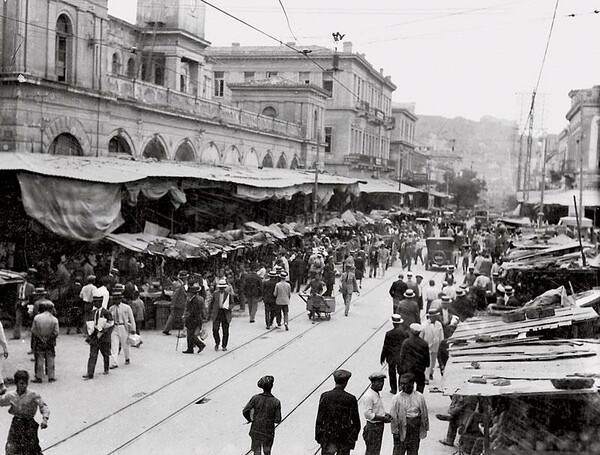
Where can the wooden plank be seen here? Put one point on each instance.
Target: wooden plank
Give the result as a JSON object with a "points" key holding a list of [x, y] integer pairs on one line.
{"points": [[514, 328], [525, 358], [531, 350], [489, 323]]}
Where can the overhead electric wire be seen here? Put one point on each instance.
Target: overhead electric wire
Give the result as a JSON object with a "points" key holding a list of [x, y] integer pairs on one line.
{"points": [[287, 19], [529, 120]]}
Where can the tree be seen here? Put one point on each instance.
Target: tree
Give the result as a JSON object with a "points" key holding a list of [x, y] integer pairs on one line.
{"points": [[465, 187]]}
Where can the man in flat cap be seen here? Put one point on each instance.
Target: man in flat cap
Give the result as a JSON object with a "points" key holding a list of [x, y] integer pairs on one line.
{"points": [[414, 355], [390, 352], [338, 421], [374, 414], [282, 294], [194, 314], [397, 290], [269, 299], [264, 412]]}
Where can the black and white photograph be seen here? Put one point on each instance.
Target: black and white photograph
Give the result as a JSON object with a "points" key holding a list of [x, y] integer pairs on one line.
{"points": [[283, 227]]}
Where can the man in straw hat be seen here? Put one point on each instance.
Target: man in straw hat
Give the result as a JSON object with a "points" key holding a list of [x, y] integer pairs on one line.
{"points": [[263, 411], [433, 333], [408, 308], [124, 324], [219, 311], [338, 421], [100, 328], [390, 352], [374, 414]]}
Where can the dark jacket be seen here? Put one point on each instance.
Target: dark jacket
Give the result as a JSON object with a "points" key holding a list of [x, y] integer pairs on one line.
{"points": [[298, 266], [392, 344], [179, 299], [414, 355], [397, 289], [338, 420], [253, 285], [195, 312], [409, 310], [268, 290], [267, 413]]}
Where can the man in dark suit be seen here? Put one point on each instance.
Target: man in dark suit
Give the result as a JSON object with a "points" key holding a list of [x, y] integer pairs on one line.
{"points": [[99, 339], [414, 356], [338, 420], [391, 350], [194, 315], [269, 299], [253, 292], [397, 290], [297, 272]]}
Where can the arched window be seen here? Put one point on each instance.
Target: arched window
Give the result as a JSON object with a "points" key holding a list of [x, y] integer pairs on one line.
{"points": [[131, 68], [65, 144], [269, 111], [281, 162], [116, 64], [154, 149], [294, 164], [118, 146], [63, 44], [185, 152], [267, 161]]}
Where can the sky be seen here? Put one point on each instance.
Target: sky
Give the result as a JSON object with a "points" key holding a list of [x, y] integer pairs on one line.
{"points": [[466, 58]]}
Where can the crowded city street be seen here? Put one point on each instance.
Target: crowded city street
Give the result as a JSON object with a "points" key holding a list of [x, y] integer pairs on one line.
{"points": [[168, 403], [291, 227]]}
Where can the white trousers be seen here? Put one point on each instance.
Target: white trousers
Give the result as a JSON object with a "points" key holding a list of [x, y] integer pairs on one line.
{"points": [[118, 338]]}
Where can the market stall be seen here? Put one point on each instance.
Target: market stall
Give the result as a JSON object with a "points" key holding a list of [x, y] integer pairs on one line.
{"points": [[531, 391]]}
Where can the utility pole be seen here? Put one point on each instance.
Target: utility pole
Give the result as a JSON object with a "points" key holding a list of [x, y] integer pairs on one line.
{"points": [[581, 206], [316, 187], [541, 214], [519, 164]]}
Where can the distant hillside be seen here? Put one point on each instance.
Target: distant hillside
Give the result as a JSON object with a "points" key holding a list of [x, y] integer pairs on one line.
{"points": [[485, 146]]}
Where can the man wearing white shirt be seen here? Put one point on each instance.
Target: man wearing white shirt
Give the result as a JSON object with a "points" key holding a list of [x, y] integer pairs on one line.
{"points": [[430, 293], [375, 414], [410, 420], [102, 291], [449, 290]]}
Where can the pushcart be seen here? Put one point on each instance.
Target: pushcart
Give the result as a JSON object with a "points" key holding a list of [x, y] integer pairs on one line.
{"points": [[318, 307]]}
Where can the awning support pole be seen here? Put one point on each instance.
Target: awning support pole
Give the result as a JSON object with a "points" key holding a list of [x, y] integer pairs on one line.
{"points": [[583, 262]]}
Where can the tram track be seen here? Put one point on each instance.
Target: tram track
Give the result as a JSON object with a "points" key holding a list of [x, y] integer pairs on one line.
{"points": [[172, 383]]}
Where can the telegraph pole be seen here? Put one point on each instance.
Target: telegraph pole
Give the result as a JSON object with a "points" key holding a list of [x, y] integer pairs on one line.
{"points": [[581, 206], [316, 187], [541, 214]]}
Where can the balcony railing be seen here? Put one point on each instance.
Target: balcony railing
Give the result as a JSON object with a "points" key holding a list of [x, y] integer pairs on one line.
{"points": [[360, 160], [157, 96]]}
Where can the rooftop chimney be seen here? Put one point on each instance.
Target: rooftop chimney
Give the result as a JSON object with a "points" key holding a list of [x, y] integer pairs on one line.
{"points": [[347, 47]]}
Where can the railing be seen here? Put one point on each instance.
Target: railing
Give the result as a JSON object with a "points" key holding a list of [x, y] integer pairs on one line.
{"points": [[366, 160], [158, 96]]}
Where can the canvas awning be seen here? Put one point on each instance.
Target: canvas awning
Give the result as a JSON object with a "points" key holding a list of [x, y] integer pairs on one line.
{"points": [[591, 198], [85, 201]]}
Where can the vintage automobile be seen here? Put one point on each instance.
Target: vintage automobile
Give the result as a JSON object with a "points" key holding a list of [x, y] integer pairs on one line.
{"points": [[441, 252]]}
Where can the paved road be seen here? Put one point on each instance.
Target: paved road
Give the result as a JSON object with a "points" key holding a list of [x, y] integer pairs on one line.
{"points": [[169, 403]]}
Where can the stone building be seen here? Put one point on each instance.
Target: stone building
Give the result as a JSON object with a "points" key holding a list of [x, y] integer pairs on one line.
{"points": [[411, 163], [76, 81], [355, 140], [583, 141]]}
